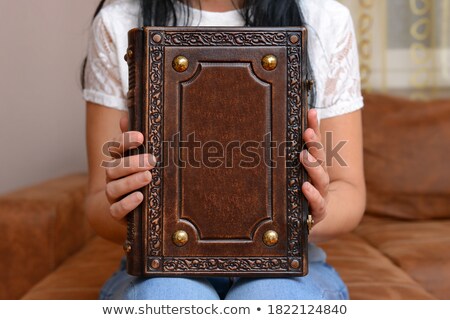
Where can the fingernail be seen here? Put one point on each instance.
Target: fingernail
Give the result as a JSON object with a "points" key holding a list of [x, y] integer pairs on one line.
{"points": [[151, 160], [147, 176], [304, 153], [139, 196]]}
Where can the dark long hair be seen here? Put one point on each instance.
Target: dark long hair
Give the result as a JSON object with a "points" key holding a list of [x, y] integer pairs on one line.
{"points": [[256, 13]]}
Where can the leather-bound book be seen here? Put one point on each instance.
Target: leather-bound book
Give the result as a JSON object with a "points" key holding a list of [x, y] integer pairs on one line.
{"points": [[223, 110]]}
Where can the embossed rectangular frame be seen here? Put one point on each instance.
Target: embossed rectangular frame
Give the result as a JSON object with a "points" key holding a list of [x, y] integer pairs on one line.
{"points": [[144, 245]]}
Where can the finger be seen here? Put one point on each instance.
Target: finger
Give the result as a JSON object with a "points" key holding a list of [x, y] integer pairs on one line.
{"points": [[316, 202], [118, 188], [313, 122], [315, 146], [130, 165], [319, 177], [124, 123], [121, 208], [125, 141]]}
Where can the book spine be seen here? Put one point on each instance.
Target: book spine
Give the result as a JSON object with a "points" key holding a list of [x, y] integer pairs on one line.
{"points": [[306, 83], [135, 58]]}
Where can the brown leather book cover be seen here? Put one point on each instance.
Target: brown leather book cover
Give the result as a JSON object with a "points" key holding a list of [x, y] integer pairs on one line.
{"points": [[223, 110]]}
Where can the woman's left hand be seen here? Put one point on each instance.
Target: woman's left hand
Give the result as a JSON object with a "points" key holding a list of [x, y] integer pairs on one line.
{"points": [[314, 161]]}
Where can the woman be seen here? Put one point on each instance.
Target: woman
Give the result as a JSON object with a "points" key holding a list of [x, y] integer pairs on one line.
{"points": [[336, 193]]}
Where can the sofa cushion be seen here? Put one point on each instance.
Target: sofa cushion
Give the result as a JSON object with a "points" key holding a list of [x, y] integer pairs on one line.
{"points": [[369, 275], [406, 144], [41, 226], [422, 249], [81, 276]]}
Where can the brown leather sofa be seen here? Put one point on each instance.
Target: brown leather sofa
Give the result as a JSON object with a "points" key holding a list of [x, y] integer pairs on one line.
{"points": [[401, 250]]}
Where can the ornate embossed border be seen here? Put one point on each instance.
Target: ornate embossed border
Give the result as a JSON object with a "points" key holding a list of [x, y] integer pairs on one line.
{"points": [[155, 136], [225, 264], [294, 261], [294, 105], [224, 38]]}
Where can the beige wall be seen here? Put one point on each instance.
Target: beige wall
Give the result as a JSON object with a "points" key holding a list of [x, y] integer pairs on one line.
{"points": [[41, 109]]}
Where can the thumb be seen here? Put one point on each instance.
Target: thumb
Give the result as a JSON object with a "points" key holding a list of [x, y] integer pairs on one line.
{"points": [[124, 123]]}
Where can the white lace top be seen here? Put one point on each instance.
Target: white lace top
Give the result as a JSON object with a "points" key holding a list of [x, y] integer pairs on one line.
{"points": [[332, 49]]}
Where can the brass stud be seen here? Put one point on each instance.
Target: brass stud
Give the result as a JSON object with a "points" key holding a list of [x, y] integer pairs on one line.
{"points": [[310, 222], [129, 54], [155, 264], [157, 37], [309, 84], [180, 238], [127, 246], [269, 62], [294, 39], [180, 63], [295, 264], [270, 238]]}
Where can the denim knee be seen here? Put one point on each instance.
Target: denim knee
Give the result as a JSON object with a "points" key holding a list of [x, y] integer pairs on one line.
{"points": [[292, 288], [322, 283], [163, 288]]}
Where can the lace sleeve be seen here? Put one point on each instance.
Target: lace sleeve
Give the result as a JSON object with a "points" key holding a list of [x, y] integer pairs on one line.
{"points": [[102, 73], [342, 86]]}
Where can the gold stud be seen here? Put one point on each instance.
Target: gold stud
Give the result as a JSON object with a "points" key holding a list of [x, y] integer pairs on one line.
{"points": [[293, 39], [310, 222], [155, 264], [129, 54], [180, 63], [295, 264], [270, 238], [269, 62], [157, 38], [309, 84], [127, 246], [180, 238]]}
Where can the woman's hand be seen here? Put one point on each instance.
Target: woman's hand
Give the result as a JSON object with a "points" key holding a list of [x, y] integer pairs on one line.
{"points": [[314, 162], [126, 174]]}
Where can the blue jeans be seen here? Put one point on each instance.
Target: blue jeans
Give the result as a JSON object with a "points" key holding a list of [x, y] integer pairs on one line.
{"points": [[322, 282]]}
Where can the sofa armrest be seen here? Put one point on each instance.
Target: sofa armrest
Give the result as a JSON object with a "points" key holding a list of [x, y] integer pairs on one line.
{"points": [[41, 226]]}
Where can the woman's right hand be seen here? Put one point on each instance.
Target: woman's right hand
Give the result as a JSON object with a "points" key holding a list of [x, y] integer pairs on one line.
{"points": [[126, 174]]}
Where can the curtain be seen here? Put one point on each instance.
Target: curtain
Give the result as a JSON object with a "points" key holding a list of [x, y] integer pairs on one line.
{"points": [[404, 45]]}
